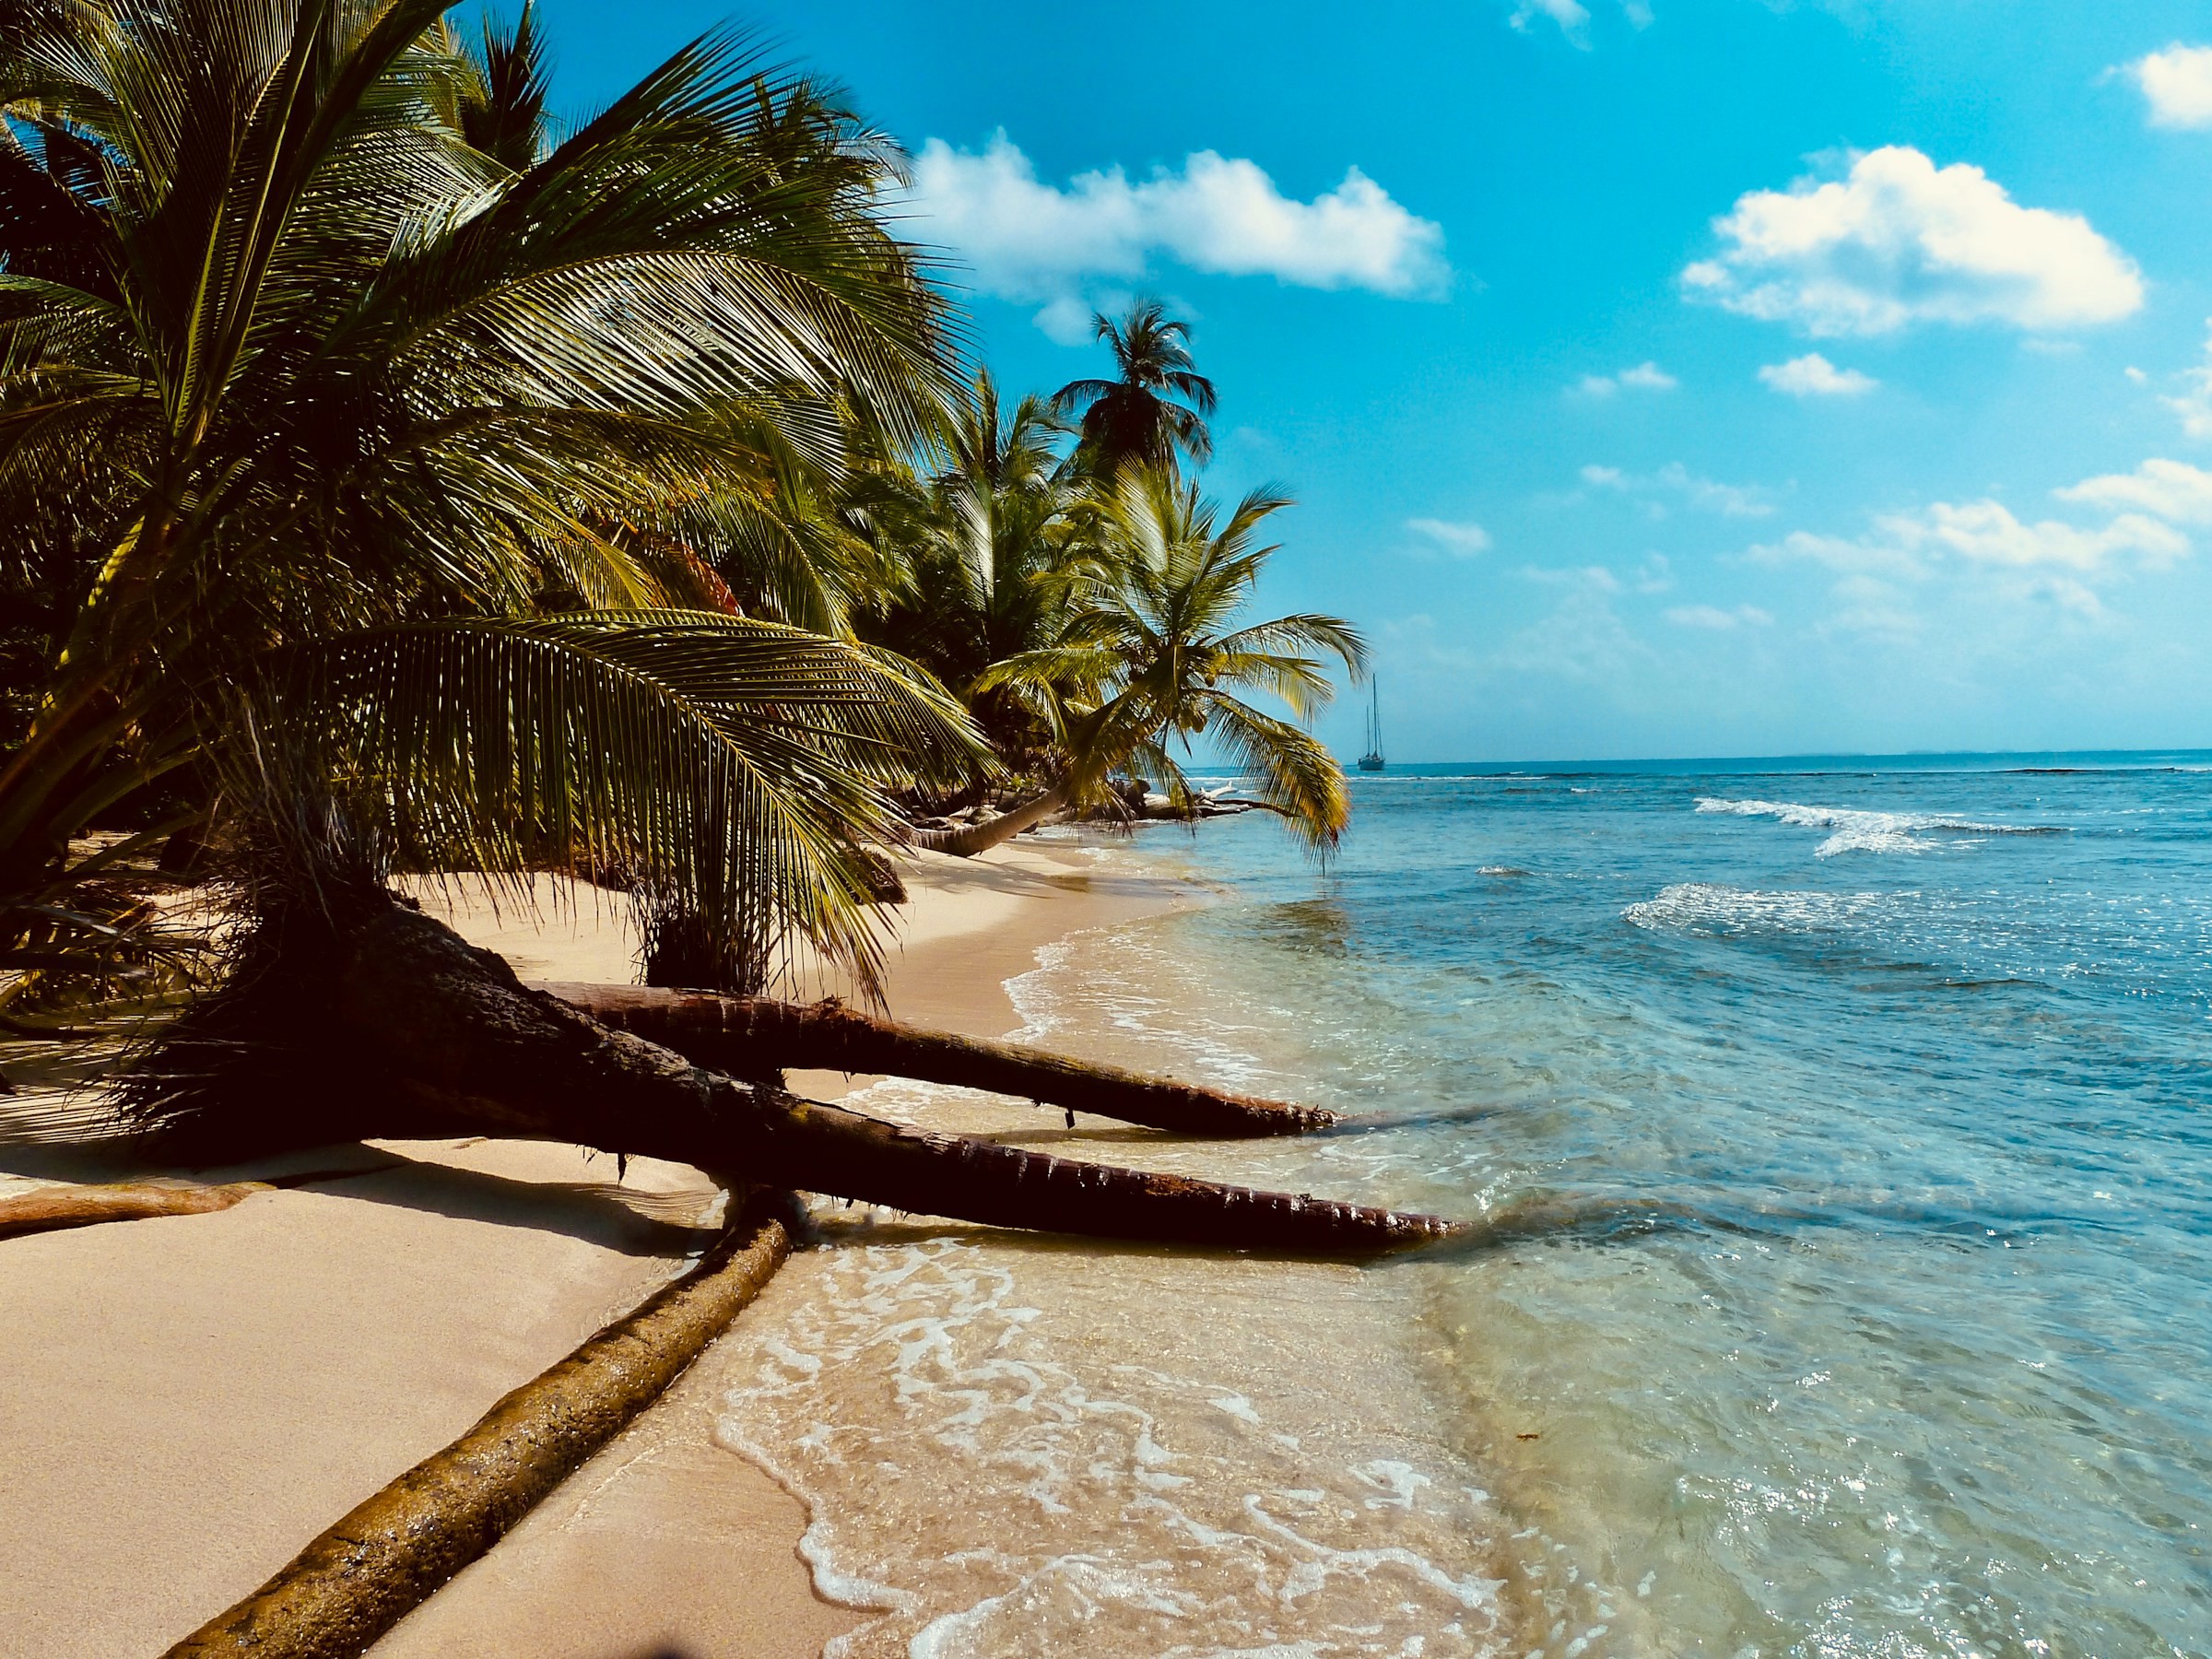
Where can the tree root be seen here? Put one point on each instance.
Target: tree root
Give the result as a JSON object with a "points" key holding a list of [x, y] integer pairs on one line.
{"points": [[391, 1553], [754, 1036]]}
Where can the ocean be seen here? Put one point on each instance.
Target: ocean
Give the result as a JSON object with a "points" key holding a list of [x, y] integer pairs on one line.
{"points": [[1844, 1129]]}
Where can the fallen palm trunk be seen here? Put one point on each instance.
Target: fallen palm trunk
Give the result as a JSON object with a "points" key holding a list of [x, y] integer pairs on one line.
{"points": [[390, 1554], [409, 1031], [972, 838], [755, 1037], [51, 1208]]}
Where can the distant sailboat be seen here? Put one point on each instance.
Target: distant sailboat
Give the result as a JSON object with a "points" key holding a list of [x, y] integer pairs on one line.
{"points": [[1373, 760]]}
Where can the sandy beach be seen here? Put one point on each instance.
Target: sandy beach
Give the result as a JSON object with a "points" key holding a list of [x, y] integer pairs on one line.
{"points": [[187, 1401]]}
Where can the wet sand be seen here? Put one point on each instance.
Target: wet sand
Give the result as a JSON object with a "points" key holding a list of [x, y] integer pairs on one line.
{"points": [[186, 1401]]}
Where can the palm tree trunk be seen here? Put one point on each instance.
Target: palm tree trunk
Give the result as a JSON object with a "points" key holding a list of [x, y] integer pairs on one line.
{"points": [[972, 838], [51, 1208], [434, 1038], [755, 1037], [391, 1553]]}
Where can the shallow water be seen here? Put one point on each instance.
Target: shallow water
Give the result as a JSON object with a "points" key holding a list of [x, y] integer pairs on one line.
{"points": [[1849, 1128]]}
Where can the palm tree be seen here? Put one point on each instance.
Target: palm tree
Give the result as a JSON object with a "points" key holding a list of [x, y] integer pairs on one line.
{"points": [[323, 423], [1153, 624], [1158, 404], [357, 470], [990, 535]]}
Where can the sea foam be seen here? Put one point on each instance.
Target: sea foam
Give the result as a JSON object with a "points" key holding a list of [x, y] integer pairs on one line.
{"points": [[1856, 830]]}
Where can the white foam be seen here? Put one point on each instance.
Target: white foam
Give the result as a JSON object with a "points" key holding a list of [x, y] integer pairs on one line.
{"points": [[1854, 830], [1103, 1505]]}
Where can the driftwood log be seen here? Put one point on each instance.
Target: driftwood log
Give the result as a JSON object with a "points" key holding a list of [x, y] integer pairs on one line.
{"points": [[755, 1037], [391, 1553]]}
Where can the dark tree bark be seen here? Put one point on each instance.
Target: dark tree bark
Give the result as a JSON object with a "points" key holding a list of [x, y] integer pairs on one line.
{"points": [[418, 1034], [755, 1037]]}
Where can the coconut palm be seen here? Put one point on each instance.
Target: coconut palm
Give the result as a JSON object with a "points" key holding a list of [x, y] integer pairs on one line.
{"points": [[336, 414], [1153, 626], [1157, 403], [363, 477], [992, 534]]}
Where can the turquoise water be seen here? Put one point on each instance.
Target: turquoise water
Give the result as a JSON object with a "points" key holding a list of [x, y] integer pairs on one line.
{"points": [[1858, 1116]]}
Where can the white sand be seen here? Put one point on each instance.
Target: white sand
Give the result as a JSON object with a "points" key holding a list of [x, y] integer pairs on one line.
{"points": [[183, 1403]]}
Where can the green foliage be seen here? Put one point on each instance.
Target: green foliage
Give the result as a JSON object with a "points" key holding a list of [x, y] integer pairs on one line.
{"points": [[1151, 654], [316, 348], [1157, 406], [991, 536]]}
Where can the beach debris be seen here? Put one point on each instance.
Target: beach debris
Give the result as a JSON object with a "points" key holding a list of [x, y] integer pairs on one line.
{"points": [[392, 1552], [750, 1037]]}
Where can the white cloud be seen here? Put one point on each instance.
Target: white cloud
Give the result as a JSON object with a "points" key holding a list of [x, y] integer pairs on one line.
{"points": [[1028, 240], [2177, 83], [1593, 578], [1573, 17], [1730, 501], [2173, 490], [1460, 540], [1711, 617], [1900, 241], [1570, 16], [1644, 377], [1985, 534], [1813, 375], [2193, 405]]}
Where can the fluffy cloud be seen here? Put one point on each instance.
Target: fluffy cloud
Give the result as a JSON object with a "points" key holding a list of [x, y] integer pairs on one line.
{"points": [[1900, 241], [2177, 84], [1714, 618], [1461, 541], [1570, 16], [2173, 490], [1813, 375], [1730, 501], [1984, 533], [1646, 377], [1028, 240]]}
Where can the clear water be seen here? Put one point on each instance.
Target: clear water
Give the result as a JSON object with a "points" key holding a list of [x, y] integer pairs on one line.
{"points": [[1847, 1127]]}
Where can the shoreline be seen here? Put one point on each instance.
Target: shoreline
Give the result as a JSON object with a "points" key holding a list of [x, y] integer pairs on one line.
{"points": [[191, 1399]]}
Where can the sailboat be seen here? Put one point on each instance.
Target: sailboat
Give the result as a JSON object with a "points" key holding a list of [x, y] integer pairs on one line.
{"points": [[1373, 760]]}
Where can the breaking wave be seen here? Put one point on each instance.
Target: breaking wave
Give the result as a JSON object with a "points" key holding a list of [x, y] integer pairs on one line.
{"points": [[1854, 830]]}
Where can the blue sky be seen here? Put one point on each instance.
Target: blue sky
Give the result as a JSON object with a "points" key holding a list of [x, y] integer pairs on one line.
{"points": [[1664, 377]]}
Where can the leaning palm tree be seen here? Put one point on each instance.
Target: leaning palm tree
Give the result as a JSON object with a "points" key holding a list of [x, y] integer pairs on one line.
{"points": [[361, 462], [1152, 657], [1157, 405], [339, 404]]}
